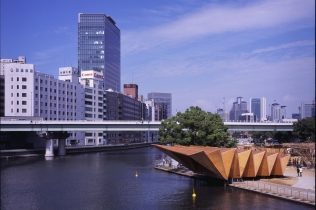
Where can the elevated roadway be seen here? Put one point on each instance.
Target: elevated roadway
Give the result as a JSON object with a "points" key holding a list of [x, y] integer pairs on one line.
{"points": [[83, 125]]}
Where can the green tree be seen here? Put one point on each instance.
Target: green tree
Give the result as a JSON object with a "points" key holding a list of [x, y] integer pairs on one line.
{"points": [[260, 136], [305, 129], [196, 127], [282, 136]]}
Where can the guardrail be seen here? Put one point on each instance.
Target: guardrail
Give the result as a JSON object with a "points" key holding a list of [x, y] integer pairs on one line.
{"points": [[290, 193]]}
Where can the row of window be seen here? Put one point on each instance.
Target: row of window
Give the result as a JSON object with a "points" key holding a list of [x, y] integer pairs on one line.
{"points": [[18, 103], [22, 70], [18, 87], [24, 79], [55, 83], [18, 95]]}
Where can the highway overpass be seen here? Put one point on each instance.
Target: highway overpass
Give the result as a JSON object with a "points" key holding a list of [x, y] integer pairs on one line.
{"points": [[84, 125]]}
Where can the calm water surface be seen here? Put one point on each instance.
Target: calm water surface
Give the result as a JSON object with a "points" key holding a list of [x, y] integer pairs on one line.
{"points": [[106, 180]]}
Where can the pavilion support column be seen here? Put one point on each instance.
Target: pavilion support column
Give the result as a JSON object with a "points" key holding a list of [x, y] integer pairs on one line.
{"points": [[61, 147], [49, 148]]}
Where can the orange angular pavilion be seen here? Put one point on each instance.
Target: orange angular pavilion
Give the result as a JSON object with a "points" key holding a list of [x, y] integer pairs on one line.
{"points": [[225, 163]]}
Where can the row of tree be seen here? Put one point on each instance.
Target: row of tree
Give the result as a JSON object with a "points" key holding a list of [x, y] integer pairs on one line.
{"points": [[198, 127], [303, 130]]}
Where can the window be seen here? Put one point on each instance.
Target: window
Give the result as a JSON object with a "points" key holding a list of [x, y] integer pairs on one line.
{"points": [[45, 89], [36, 102], [41, 81], [36, 95], [17, 94], [23, 94], [45, 81], [11, 102], [12, 79], [45, 104], [23, 79], [41, 96], [23, 110], [31, 70], [17, 79], [23, 102], [11, 110], [23, 86], [17, 70], [11, 94], [17, 87], [11, 86], [17, 110], [26, 70], [21, 70], [36, 88], [36, 80], [36, 110], [17, 102]]}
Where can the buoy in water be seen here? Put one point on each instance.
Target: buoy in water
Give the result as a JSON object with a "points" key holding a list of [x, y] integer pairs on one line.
{"points": [[136, 174], [193, 195]]}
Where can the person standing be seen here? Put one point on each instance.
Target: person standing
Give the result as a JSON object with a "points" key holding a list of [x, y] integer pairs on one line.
{"points": [[301, 170], [298, 171]]}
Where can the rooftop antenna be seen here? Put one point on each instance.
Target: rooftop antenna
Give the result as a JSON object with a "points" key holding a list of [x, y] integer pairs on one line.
{"points": [[132, 77]]}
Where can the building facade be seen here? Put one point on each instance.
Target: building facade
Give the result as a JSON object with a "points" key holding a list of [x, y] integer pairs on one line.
{"points": [[162, 103], [307, 109], [99, 48], [259, 108], [239, 107], [33, 94], [278, 113]]}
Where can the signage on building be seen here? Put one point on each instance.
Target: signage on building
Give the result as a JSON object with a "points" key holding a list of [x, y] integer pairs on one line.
{"points": [[91, 75]]}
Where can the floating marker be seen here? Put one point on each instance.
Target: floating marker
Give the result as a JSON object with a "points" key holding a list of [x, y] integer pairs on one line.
{"points": [[193, 195], [136, 174]]}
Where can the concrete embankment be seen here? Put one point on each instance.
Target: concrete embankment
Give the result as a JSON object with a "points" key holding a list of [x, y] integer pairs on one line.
{"points": [[71, 150]]}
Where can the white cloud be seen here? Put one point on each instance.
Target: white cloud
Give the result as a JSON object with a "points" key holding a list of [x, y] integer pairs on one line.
{"points": [[285, 46], [205, 105], [289, 98], [214, 19]]}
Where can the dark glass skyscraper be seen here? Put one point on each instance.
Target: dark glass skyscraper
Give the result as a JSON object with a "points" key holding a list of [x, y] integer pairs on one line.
{"points": [[99, 48]]}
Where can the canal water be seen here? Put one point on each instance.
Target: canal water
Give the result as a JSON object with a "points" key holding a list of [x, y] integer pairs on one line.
{"points": [[106, 180]]}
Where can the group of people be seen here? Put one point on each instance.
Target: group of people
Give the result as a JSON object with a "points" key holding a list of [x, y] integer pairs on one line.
{"points": [[299, 170]]}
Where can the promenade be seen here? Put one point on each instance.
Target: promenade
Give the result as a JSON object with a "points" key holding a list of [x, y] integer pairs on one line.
{"points": [[290, 187]]}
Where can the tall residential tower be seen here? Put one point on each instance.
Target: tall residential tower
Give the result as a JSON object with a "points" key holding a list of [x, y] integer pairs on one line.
{"points": [[99, 48]]}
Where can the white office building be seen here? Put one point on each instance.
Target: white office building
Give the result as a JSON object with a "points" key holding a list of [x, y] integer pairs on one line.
{"points": [[93, 90], [33, 94]]}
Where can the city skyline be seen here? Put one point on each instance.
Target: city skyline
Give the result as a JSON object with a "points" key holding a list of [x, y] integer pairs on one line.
{"points": [[200, 52]]}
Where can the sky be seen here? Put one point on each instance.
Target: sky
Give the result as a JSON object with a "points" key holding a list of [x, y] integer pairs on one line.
{"points": [[206, 53]]}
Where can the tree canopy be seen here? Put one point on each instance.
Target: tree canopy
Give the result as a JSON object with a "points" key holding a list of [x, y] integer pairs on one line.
{"points": [[195, 127], [305, 129]]}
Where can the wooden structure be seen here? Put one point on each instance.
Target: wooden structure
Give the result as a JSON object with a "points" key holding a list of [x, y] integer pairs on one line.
{"points": [[227, 163]]}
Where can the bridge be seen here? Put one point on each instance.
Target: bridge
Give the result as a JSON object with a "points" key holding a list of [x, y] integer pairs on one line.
{"points": [[85, 125]]}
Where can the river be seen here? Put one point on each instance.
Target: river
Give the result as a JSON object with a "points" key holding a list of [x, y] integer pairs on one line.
{"points": [[106, 180]]}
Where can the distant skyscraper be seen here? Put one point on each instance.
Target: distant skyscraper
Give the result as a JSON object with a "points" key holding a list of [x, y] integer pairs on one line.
{"points": [[239, 107], [277, 112], [99, 48], [163, 104], [307, 109], [258, 108]]}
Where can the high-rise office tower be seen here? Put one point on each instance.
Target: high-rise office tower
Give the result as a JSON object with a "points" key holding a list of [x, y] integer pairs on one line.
{"points": [[99, 48], [307, 109], [258, 108], [239, 107], [163, 104], [278, 113]]}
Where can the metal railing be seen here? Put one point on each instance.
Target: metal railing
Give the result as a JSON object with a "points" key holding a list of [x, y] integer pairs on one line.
{"points": [[281, 191]]}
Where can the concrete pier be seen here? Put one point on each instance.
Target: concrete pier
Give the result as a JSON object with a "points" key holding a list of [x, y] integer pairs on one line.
{"points": [[49, 148], [61, 147]]}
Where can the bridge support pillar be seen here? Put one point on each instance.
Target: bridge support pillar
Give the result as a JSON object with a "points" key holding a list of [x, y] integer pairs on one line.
{"points": [[49, 148], [61, 147]]}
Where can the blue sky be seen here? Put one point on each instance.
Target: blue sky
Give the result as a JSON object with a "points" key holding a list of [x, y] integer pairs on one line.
{"points": [[200, 51]]}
